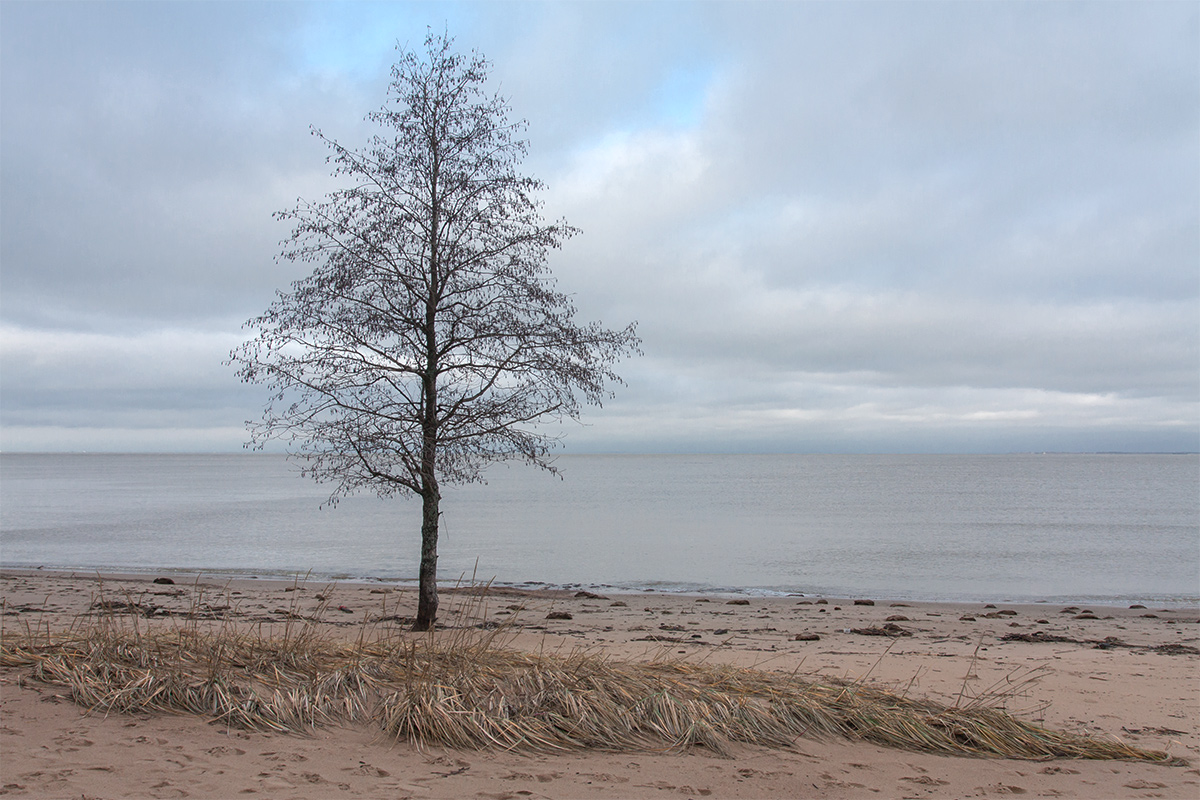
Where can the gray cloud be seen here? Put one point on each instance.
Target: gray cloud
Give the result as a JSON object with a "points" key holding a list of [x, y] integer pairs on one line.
{"points": [[861, 227]]}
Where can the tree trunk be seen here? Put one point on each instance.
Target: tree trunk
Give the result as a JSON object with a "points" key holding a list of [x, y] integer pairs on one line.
{"points": [[427, 593], [427, 600]]}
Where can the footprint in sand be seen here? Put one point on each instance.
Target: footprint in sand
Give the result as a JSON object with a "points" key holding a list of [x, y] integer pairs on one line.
{"points": [[69, 743], [517, 776], [166, 789], [746, 772], [277, 783], [459, 766], [1059, 771], [222, 750], [603, 777], [58, 776], [364, 768]]}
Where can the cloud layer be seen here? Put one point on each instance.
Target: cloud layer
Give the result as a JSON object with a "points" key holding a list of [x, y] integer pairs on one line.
{"points": [[894, 227]]}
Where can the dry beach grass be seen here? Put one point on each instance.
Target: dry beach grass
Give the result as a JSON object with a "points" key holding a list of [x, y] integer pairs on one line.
{"points": [[468, 691], [488, 682]]}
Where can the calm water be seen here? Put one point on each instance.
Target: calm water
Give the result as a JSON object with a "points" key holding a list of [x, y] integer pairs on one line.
{"points": [[1023, 527]]}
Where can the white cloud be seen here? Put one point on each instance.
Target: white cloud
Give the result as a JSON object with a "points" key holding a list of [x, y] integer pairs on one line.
{"points": [[158, 358]]}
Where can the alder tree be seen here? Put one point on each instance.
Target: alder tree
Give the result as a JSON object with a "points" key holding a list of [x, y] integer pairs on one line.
{"points": [[430, 338]]}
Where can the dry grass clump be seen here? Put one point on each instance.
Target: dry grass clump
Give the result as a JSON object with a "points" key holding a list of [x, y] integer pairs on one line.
{"points": [[462, 689]]}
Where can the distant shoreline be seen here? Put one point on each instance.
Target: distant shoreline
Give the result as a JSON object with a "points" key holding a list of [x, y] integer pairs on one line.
{"points": [[546, 589]]}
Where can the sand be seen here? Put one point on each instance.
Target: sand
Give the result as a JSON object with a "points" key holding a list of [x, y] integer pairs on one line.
{"points": [[1137, 691]]}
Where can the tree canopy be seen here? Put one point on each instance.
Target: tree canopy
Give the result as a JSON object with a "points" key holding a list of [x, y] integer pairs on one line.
{"points": [[430, 338]]}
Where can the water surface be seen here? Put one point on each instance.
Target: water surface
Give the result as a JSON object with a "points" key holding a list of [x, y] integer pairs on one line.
{"points": [[1018, 527]]}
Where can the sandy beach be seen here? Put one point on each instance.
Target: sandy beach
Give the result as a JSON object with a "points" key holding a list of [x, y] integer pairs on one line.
{"points": [[1128, 674]]}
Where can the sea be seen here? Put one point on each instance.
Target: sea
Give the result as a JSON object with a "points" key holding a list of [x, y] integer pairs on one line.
{"points": [[1112, 529]]}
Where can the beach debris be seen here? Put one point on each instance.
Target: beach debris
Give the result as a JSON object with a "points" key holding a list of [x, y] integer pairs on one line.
{"points": [[1137, 605], [966, 618], [703, 600], [806, 637], [989, 605], [287, 613], [654, 637], [22, 608], [738, 602], [1086, 615], [590, 595], [897, 618], [618, 604], [899, 605], [1150, 616], [864, 602], [1154, 731], [822, 602], [345, 610], [208, 611], [890, 629], [559, 615], [1107, 643], [164, 581], [1039, 636], [137, 609]]}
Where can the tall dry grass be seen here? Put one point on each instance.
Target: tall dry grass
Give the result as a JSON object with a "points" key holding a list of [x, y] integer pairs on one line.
{"points": [[464, 688]]}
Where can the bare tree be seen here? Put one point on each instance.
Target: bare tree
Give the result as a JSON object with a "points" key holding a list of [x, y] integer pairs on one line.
{"points": [[430, 338]]}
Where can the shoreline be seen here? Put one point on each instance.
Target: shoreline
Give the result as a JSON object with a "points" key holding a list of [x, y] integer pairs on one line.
{"points": [[1131, 675], [266, 577]]}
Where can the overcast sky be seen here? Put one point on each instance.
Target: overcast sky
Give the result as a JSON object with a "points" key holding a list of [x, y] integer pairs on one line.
{"points": [[841, 227]]}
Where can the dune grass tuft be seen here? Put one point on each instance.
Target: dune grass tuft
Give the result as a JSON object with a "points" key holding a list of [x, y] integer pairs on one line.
{"points": [[463, 688]]}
